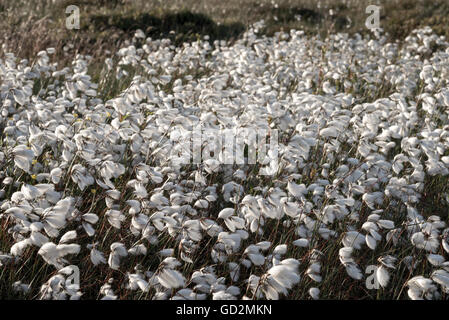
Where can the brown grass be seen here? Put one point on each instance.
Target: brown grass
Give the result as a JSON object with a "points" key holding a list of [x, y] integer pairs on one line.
{"points": [[29, 26]]}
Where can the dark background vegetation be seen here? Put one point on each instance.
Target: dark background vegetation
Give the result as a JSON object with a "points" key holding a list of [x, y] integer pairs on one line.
{"points": [[28, 26]]}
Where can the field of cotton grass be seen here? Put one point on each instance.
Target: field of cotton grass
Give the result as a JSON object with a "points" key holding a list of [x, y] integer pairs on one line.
{"points": [[95, 205]]}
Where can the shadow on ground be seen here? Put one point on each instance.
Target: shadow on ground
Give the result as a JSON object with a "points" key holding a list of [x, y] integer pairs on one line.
{"points": [[186, 25]]}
